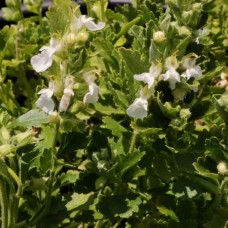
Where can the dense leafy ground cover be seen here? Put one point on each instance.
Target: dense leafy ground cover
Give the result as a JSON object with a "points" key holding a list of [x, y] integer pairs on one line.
{"points": [[117, 118]]}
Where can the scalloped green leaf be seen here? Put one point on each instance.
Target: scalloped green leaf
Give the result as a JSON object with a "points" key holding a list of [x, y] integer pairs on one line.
{"points": [[133, 61], [107, 109], [123, 206], [168, 212], [116, 128], [79, 201], [127, 162]]}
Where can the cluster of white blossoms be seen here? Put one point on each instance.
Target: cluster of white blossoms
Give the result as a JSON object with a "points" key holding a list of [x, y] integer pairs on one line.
{"points": [[42, 61], [139, 108]]}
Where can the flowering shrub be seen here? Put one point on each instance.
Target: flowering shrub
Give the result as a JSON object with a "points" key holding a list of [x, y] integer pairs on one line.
{"points": [[114, 118]]}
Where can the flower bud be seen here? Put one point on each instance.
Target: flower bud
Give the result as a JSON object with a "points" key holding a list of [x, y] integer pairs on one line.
{"points": [[54, 117], [82, 37], [6, 149], [184, 31], [159, 37], [222, 168], [5, 135], [71, 38]]}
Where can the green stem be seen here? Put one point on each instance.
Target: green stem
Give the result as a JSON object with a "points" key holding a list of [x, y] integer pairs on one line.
{"points": [[53, 148], [125, 29], [4, 203], [18, 6], [102, 5], [133, 142], [14, 201]]}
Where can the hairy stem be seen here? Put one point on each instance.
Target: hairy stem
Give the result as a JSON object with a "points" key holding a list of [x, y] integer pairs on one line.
{"points": [[102, 5], [133, 142], [14, 201], [4, 203]]}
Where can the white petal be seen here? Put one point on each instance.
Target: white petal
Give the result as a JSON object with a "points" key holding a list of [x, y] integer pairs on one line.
{"points": [[172, 76], [138, 108], [194, 72], [88, 22], [45, 103], [64, 102], [47, 92], [146, 78], [42, 61], [68, 91], [93, 95]]}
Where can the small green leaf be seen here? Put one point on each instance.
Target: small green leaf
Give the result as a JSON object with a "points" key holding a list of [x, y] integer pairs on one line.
{"points": [[154, 52], [167, 212], [69, 177], [133, 61], [205, 172], [127, 162], [79, 201], [58, 15], [116, 128], [107, 110], [123, 206], [42, 161], [181, 47]]}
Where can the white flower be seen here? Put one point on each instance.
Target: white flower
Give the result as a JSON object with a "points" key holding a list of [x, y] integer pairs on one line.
{"points": [[201, 33], [88, 22], [148, 78], [43, 61], [68, 92], [138, 109], [65, 100], [45, 101], [192, 70], [93, 94], [171, 74]]}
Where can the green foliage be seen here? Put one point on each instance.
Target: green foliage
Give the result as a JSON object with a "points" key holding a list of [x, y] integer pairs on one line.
{"points": [[93, 164]]}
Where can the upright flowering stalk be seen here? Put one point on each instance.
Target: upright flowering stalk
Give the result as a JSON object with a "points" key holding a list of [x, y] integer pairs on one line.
{"points": [[93, 95], [45, 101], [171, 75], [139, 108], [192, 70], [43, 61], [149, 78], [67, 93]]}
